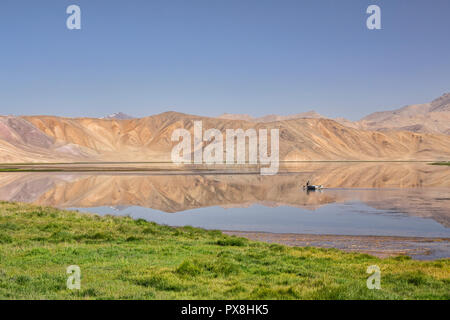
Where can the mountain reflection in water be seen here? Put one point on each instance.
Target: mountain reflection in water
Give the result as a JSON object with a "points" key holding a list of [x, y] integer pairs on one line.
{"points": [[392, 190]]}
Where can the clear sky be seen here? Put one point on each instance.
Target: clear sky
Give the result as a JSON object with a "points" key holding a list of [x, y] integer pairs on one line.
{"points": [[208, 57]]}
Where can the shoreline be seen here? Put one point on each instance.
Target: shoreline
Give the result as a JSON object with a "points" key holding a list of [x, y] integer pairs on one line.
{"points": [[167, 167], [418, 248]]}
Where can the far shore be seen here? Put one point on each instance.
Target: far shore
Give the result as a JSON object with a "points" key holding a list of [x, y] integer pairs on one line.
{"points": [[168, 167]]}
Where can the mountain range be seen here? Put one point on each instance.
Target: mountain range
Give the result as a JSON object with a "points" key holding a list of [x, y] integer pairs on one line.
{"points": [[417, 132], [432, 117]]}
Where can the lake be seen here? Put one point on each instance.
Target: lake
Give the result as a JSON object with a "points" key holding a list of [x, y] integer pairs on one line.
{"points": [[393, 199]]}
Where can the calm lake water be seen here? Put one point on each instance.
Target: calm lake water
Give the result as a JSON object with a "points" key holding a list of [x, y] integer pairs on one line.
{"points": [[349, 218], [392, 199]]}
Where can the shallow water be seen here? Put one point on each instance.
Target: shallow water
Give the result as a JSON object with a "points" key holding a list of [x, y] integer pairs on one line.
{"points": [[349, 218]]}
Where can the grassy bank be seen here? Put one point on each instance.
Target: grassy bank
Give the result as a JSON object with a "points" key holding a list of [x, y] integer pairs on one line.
{"points": [[441, 163], [133, 259]]}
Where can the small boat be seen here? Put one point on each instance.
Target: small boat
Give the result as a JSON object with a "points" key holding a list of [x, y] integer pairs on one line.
{"points": [[312, 187]]}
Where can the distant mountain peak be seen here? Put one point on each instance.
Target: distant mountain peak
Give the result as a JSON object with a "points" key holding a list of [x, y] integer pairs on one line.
{"points": [[118, 116], [441, 104]]}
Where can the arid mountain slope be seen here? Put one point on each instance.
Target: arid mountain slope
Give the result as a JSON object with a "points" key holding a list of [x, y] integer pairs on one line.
{"points": [[149, 139], [433, 117], [50, 139], [21, 141]]}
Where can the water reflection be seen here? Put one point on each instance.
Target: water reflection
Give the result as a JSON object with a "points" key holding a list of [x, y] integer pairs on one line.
{"points": [[384, 199], [414, 189]]}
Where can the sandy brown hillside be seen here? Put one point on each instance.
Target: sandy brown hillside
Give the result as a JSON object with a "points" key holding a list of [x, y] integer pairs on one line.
{"points": [[21, 141], [47, 138]]}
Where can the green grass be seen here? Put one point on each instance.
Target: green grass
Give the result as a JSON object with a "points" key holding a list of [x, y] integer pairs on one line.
{"points": [[441, 163], [122, 258]]}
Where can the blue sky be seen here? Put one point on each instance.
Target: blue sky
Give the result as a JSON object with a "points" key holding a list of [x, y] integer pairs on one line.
{"points": [[208, 57]]}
